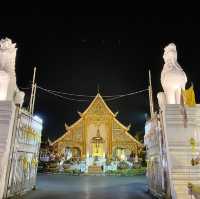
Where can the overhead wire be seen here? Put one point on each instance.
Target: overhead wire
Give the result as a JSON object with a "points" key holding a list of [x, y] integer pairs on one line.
{"points": [[25, 88], [114, 97], [67, 98], [79, 95], [128, 94]]}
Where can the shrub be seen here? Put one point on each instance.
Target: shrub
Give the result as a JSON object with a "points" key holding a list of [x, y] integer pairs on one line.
{"points": [[127, 172], [67, 162], [123, 165], [72, 171], [53, 170], [76, 171], [108, 162], [68, 171], [42, 167], [53, 164]]}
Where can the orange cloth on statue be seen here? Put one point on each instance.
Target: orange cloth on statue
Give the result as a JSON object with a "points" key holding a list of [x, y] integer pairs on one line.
{"points": [[189, 97]]}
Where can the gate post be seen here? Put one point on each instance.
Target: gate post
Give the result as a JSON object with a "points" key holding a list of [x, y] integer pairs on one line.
{"points": [[7, 117]]}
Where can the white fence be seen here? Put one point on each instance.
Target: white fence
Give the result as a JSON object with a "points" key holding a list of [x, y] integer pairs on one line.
{"points": [[23, 160]]}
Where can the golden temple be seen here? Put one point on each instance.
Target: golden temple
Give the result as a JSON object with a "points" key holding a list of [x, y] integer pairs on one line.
{"points": [[97, 133]]}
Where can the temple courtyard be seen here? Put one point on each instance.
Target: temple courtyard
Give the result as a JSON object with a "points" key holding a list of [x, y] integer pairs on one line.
{"points": [[89, 187]]}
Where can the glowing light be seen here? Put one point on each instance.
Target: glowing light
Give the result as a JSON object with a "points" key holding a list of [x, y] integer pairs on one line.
{"points": [[37, 118]]}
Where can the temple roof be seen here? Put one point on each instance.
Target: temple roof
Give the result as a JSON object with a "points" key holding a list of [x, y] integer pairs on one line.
{"points": [[98, 106]]}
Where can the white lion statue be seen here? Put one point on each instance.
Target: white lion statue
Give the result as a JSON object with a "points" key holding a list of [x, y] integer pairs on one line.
{"points": [[8, 87], [173, 78]]}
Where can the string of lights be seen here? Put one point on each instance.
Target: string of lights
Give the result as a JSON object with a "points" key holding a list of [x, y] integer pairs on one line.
{"points": [[114, 97], [70, 94], [75, 95], [63, 97], [86, 96], [133, 93]]}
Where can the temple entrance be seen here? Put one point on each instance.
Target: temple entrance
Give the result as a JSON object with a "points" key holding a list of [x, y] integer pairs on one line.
{"points": [[98, 154], [97, 146]]}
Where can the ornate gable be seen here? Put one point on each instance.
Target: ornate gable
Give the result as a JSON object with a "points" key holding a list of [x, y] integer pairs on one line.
{"points": [[98, 107]]}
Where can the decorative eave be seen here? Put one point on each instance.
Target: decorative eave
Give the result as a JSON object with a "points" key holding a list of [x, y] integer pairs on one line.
{"points": [[120, 124], [68, 130], [76, 123], [134, 140], [66, 127], [126, 129], [59, 139], [116, 114], [129, 126], [80, 114]]}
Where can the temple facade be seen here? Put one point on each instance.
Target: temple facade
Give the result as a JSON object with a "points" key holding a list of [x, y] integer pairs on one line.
{"points": [[97, 137]]}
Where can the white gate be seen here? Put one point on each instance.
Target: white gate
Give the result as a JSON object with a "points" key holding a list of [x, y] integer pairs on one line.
{"points": [[22, 169]]}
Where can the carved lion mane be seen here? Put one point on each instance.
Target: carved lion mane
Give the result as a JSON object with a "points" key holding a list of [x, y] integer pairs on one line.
{"points": [[7, 55]]}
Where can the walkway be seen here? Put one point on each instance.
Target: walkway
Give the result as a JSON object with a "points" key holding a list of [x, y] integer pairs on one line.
{"points": [[89, 187]]}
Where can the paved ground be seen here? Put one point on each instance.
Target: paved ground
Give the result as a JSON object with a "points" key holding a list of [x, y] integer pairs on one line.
{"points": [[89, 187]]}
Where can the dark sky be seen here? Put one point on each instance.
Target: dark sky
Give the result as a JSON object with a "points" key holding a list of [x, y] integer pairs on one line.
{"points": [[75, 54]]}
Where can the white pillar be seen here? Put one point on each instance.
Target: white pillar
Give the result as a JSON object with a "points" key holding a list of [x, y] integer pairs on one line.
{"points": [[4, 82], [7, 116]]}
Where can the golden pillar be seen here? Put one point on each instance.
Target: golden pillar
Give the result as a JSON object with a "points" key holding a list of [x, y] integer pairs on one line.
{"points": [[84, 139], [110, 139]]}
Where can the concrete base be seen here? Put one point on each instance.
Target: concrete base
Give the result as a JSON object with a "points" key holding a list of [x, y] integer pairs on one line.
{"points": [[7, 116], [179, 127]]}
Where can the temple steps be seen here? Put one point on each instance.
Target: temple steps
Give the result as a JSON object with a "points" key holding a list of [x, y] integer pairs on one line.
{"points": [[182, 176], [94, 169], [182, 190], [185, 176]]}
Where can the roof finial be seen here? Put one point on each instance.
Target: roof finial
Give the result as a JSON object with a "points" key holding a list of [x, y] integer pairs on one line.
{"points": [[98, 88]]}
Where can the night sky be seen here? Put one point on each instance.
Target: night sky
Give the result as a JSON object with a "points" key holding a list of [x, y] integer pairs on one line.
{"points": [[75, 54]]}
